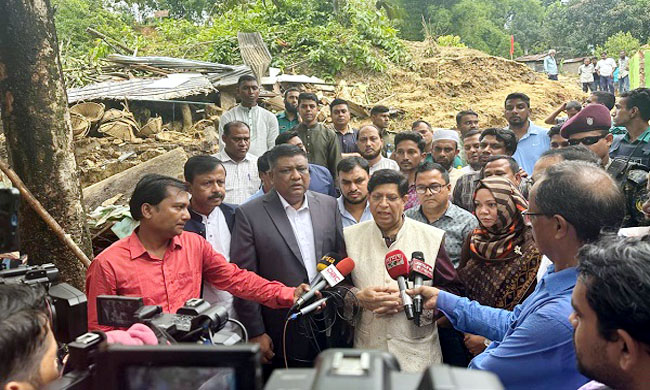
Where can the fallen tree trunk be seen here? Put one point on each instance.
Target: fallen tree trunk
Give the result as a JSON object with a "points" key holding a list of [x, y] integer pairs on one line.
{"points": [[170, 164]]}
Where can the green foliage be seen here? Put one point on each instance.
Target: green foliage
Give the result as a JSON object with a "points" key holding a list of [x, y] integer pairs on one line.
{"points": [[323, 36], [450, 41], [617, 42]]}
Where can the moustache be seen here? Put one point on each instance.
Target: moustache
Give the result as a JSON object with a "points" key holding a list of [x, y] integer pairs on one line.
{"points": [[216, 196]]}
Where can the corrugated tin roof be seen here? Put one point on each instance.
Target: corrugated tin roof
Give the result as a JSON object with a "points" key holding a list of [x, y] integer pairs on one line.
{"points": [[174, 86], [571, 60]]}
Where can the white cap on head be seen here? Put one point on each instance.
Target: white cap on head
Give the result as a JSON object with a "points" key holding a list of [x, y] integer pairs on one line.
{"points": [[446, 135], [552, 51]]}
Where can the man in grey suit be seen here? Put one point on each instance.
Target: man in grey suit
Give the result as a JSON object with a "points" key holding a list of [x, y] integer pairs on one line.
{"points": [[281, 236]]}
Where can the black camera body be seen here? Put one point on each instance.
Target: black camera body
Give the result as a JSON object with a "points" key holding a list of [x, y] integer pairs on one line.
{"points": [[352, 369], [67, 305]]}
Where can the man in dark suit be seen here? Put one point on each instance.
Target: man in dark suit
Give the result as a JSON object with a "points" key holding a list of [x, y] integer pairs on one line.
{"points": [[281, 236], [209, 216]]}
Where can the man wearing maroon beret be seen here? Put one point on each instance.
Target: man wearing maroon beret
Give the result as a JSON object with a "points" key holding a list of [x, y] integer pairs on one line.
{"points": [[590, 127]]}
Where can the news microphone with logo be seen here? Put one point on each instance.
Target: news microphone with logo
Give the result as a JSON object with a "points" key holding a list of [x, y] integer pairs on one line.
{"points": [[332, 275], [397, 266], [331, 258], [419, 272]]}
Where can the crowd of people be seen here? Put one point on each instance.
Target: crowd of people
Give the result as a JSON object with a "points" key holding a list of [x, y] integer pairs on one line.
{"points": [[604, 74], [530, 280]]}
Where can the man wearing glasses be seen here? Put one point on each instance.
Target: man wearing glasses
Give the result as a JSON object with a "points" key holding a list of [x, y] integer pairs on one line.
{"points": [[433, 189], [590, 127], [382, 325]]}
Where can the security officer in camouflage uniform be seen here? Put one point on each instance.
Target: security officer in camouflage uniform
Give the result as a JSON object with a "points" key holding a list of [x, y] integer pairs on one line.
{"points": [[630, 153]]}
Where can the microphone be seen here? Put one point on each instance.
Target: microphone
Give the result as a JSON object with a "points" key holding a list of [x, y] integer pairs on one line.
{"points": [[332, 275], [331, 258], [398, 268], [308, 309], [420, 271]]}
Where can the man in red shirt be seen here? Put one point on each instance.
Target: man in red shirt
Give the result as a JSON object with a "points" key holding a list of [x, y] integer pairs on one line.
{"points": [[165, 265]]}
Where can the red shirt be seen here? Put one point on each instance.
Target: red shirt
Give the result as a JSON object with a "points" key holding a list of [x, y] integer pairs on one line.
{"points": [[126, 268]]}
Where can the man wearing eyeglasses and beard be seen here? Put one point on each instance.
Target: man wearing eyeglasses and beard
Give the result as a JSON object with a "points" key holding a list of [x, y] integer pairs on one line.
{"points": [[590, 127]]}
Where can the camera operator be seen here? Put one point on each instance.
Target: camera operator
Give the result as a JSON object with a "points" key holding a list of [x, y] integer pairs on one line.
{"points": [[611, 317], [28, 351], [166, 265]]}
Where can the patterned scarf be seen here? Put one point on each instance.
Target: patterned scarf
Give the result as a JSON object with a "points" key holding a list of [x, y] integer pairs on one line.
{"points": [[500, 241]]}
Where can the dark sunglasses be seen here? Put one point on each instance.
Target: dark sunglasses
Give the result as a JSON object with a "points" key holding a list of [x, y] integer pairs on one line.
{"points": [[586, 140]]}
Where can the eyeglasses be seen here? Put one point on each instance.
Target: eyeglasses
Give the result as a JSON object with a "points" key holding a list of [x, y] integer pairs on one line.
{"points": [[527, 215], [434, 188], [586, 140]]}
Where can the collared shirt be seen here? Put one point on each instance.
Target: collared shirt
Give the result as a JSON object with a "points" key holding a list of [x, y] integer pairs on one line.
{"points": [[412, 200], [457, 224], [531, 146], [256, 195], [320, 180], [550, 65], [348, 141], [217, 234], [606, 67], [263, 125], [586, 73], [322, 145], [347, 219], [303, 230], [126, 268], [242, 178], [384, 163], [284, 124], [532, 345], [638, 150], [623, 70]]}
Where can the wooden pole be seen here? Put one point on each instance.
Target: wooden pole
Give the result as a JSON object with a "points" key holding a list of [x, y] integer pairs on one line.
{"points": [[40, 210]]}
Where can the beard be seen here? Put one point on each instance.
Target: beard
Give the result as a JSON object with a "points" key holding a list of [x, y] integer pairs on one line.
{"points": [[370, 156], [445, 163], [352, 201], [288, 107]]}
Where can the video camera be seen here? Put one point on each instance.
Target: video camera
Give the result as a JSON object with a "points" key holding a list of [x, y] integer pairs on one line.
{"points": [[352, 369], [196, 321], [66, 304]]}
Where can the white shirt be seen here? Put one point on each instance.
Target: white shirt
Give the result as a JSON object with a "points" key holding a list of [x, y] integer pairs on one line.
{"points": [[586, 73], [242, 178], [263, 125], [218, 235], [303, 230], [606, 67], [384, 163]]}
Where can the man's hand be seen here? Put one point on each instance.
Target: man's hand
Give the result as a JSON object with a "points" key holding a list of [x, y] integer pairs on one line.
{"points": [[563, 107], [266, 346], [303, 289], [474, 344], [380, 300], [430, 295]]}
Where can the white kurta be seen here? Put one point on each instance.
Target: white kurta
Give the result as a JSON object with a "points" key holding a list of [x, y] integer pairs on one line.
{"points": [[416, 348]]}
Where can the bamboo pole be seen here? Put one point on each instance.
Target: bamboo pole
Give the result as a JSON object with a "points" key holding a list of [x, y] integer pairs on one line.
{"points": [[40, 210]]}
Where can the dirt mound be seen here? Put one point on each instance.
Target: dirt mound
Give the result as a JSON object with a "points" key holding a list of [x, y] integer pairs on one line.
{"points": [[442, 81]]}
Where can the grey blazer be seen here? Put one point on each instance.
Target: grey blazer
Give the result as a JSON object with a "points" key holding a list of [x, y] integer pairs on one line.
{"points": [[263, 242]]}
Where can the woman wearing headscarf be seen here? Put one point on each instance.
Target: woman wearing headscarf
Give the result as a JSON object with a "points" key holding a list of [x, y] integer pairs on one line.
{"points": [[499, 260]]}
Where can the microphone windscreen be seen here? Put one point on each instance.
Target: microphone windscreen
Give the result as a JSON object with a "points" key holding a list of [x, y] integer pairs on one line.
{"points": [[345, 266], [421, 268], [397, 264], [327, 260]]}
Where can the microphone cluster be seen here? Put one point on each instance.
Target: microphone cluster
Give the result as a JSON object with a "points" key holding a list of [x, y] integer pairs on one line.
{"points": [[403, 271], [332, 270]]}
